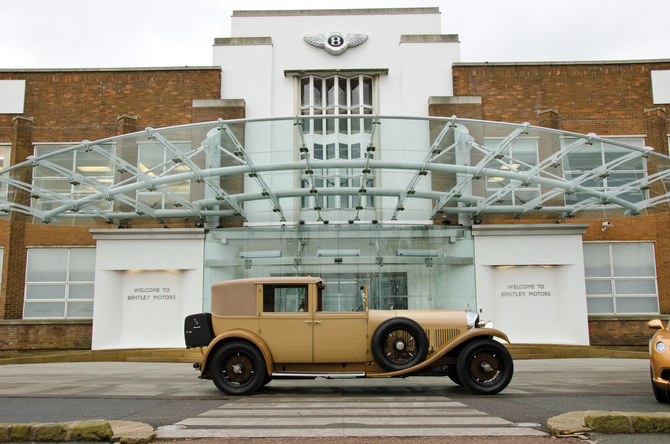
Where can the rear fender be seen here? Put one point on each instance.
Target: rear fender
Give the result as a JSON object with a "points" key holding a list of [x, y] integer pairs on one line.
{"points": [[232, 335], [462, 339]]}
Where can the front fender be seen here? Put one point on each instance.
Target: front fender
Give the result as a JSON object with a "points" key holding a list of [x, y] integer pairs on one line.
{"points": [[236, 334], [465, 337]]}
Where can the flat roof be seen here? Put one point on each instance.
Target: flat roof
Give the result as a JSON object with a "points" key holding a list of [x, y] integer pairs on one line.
{"points": [[162, 68], [563, 63], [367, 11]]}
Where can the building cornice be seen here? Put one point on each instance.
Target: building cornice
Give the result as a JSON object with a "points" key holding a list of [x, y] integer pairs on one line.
{"points": [[563, 63], [168, 68], [529, 229], [148, 233], [317, 12]]}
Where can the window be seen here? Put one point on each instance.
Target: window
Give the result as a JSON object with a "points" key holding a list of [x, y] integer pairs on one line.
{"points": [[520, 156], [5, 150], [597, 155], [337, 139], [154, 160], [59, 283], [337, 95], [70, 174], [285, 299], [620, 278]]}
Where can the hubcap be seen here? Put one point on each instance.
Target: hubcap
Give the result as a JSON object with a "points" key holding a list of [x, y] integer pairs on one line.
{"points": [[399, 347], [238, 368]]}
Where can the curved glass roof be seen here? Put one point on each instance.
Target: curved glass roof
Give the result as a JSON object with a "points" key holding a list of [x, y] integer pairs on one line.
{"points": [[355, 168]]}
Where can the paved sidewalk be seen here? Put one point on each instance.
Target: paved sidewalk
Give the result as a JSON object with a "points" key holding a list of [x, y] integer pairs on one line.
{"points": [[178, 380]]}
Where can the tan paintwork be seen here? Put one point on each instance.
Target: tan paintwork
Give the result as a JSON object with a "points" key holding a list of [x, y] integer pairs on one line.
{"points": [[318, 341], [486, 332], [659, 361], [235, 334]]}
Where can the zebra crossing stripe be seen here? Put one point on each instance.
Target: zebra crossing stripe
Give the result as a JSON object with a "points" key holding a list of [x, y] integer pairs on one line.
{"points": [[274, 416]]}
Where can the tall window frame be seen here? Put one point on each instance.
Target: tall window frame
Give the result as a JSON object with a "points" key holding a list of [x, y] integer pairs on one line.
{"points": [[621, 278], [84, 163], [352, 96], [598, 154], [59, 283]]}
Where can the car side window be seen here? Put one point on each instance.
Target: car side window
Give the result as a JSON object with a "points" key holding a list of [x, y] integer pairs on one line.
{"points": [[285, 299]]}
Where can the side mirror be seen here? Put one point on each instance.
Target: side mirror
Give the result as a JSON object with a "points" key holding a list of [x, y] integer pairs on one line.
{"points": [[656, 324]]}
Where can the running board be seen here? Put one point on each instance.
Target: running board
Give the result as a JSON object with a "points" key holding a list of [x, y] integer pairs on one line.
{"points": [[312, 375]]}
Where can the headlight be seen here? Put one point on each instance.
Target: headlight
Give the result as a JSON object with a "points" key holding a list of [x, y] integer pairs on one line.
{"points": [[473, 319], [660, 347]]}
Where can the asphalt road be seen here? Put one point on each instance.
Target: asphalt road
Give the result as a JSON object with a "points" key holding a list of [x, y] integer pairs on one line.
{"points": [[165, 393]]}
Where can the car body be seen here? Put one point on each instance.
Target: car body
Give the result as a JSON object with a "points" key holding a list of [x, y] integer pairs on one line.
{"points": [[260, 329], [659, 356]]}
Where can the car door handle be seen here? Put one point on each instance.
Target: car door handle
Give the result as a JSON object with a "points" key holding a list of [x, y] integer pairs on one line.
{"points": [[317, 322], [308, 322]]}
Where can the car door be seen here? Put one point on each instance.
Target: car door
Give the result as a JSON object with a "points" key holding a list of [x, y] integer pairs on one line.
{"points": [[339, 336], [285, 322]]}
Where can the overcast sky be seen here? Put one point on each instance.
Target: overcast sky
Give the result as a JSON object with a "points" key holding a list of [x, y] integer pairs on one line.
{"points": [[131, 33]]}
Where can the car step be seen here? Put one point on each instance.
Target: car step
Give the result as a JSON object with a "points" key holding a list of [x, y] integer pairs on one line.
{"points": [[312, 375]]}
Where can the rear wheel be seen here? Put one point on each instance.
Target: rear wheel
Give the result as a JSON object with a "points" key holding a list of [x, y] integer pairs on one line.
{"points": [[485, 367], [238, 368]]}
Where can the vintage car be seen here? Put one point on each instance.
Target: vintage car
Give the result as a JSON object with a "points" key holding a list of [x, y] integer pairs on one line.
{"points": [[659, 355], [266, 328]]}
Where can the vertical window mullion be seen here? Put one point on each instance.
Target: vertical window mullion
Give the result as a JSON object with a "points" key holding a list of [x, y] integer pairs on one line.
{"points": [[67, 281]]}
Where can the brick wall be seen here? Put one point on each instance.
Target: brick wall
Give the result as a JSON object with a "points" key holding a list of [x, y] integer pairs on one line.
{"points": [[73, 105], [630, 331], [604, 98], [26, 336]]}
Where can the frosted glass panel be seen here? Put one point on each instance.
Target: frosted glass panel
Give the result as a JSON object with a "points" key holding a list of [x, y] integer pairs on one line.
{"points": [[637, 305], [635, 286], [597, 260], [82, 264], [45, 292], [600, 305], [81, 291], [44, 310], [80, 309], [46, 265], [633, 259], [599, 287]]}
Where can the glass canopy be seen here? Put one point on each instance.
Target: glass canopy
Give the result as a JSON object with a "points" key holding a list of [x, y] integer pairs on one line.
{"points": [[320, 168]]}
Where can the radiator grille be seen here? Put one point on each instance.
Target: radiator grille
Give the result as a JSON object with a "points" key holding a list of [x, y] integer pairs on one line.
{"points": [[441, 336]]}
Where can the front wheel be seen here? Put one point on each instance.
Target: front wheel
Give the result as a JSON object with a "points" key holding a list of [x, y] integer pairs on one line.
{"points": [[485, 367], [238, 368]]}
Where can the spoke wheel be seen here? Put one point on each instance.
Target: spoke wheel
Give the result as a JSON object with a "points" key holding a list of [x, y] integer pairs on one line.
{"points": [[399, 343], [238, 368], [399, 347], [485, 367]]}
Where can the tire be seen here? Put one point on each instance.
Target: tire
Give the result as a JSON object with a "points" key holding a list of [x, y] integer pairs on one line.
{"points": [[455, 379], [659, 394], [485, 367], [399, 343], [266, 380], [238, 368]]}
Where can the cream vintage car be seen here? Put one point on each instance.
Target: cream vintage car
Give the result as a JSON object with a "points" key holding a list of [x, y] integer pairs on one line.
{"points": [[659, 357], [266, 328]]}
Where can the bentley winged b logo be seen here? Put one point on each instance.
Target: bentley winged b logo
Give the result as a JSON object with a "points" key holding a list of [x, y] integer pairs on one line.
{"points": [[335, 43]]}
